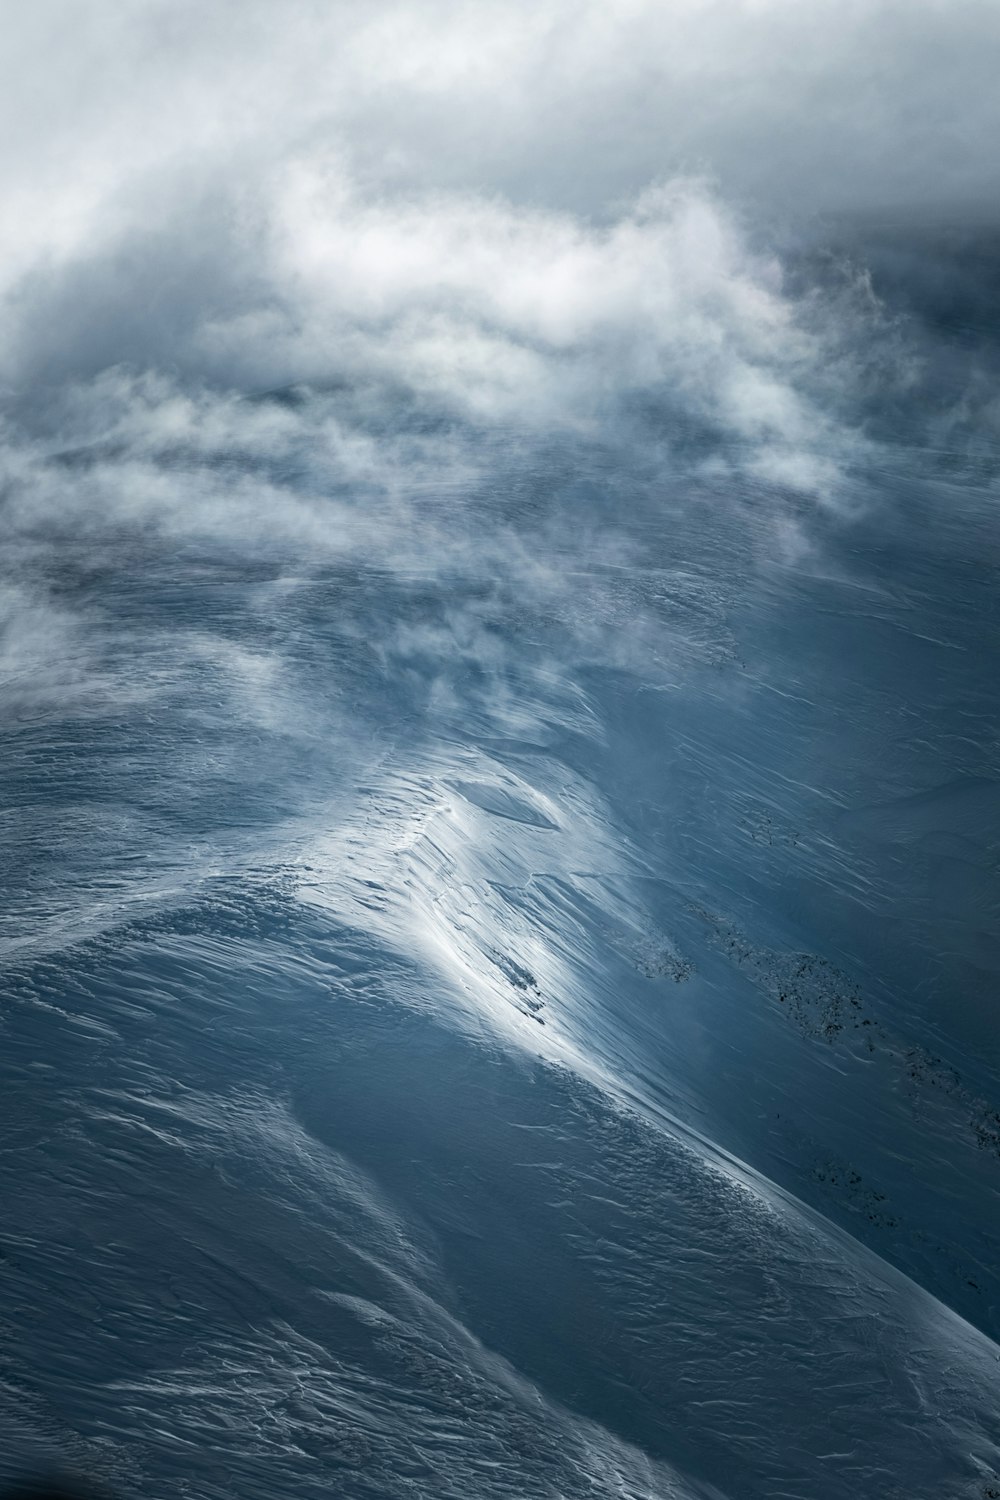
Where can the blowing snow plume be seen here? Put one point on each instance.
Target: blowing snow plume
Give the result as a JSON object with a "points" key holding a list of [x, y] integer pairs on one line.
{"points": [[500, 924]]}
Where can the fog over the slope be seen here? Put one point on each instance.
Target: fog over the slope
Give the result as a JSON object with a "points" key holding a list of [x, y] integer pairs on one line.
{"points": [[470, 231]]}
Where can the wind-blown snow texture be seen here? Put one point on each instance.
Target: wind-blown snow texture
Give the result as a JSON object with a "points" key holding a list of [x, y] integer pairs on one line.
{"points": [[500, 789]]}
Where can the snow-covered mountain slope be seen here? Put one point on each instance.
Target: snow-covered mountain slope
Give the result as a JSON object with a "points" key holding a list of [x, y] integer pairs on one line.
{"points": [[498, 964]]}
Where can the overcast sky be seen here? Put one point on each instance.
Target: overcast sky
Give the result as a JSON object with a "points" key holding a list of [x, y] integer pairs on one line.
{"points": [[531, 213], [817, 104], [164, 165]]}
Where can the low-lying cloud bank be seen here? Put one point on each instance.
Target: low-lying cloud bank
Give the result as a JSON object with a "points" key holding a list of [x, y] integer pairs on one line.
{"points": [[473, 308], [514, 214], [286, 285]]}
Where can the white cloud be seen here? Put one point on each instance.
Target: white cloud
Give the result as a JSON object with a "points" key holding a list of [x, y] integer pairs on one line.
{"points": [[470, 230], [459, 196]]}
